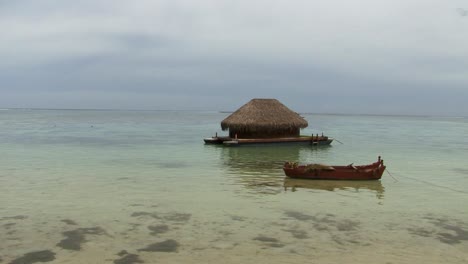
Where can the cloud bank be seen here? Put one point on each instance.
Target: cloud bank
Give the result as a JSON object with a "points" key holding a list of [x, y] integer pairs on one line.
{"points": [[389, 57]]}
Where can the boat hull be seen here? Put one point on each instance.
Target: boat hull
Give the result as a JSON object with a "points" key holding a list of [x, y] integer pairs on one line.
{"points": [[216, 140], [372, 171]]}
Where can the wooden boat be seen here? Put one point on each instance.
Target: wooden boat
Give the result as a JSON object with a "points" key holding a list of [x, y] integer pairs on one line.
{"points": [[216, 140], [310, 140], [371, 171]]}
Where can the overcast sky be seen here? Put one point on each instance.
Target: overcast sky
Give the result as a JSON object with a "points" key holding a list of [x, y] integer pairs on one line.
{"points": [[327, 56]]}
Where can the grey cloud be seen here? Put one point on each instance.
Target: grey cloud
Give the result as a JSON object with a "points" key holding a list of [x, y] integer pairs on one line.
{"points": [[462, 11], [350, 54]]}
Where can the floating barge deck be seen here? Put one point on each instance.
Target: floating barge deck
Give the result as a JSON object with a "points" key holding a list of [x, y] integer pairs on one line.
{"points": [[309, 140]]}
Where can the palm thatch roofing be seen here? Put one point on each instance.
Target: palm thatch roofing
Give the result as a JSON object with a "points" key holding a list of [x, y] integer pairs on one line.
{"points": [[264, 115]]}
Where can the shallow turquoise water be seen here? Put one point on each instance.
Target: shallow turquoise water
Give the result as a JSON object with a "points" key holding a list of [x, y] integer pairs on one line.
{"points": [[82, 186]]}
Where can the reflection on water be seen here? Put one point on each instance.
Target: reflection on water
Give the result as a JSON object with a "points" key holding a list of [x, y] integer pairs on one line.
{"points": [[329, 185], [257, 160], [260, 168], [265, 159]]}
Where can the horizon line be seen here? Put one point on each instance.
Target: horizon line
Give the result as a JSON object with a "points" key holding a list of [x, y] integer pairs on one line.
{"points": [[226, 111]]}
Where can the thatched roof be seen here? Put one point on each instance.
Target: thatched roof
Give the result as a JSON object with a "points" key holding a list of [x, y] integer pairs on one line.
{"points": [[263, 114]]}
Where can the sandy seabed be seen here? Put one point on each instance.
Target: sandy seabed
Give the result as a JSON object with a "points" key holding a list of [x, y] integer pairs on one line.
{"points": [[156, 235]]}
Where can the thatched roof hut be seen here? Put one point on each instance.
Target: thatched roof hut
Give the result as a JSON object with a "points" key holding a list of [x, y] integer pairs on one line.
{"points": [[264, 118]]}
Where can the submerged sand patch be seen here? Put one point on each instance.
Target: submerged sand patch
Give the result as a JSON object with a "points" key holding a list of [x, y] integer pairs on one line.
{"points": [[127, 258], [74, 238], [169, 245], [34, 257]]}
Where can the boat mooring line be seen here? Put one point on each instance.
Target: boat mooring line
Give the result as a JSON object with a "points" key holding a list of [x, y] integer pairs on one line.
{"points": [[391, 176], [432, 184], [338, 140]]}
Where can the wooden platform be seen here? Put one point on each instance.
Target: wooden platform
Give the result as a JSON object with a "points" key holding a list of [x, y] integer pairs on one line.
{"points": [[309, 140]]}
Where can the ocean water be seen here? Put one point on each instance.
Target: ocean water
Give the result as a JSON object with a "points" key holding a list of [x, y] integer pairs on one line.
{"points": [[141, 187]]}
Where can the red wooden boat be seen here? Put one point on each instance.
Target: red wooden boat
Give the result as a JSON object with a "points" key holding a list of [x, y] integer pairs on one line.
{"points": [[372, 171]]}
